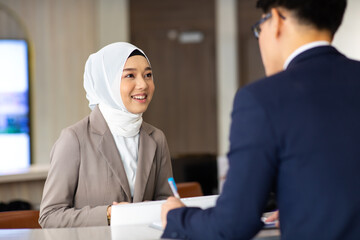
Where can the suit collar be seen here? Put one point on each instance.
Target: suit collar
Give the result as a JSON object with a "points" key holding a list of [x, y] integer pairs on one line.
{"points": [[147, 150], [304, 48], [98, 124], [107, 147], [312, 53], [147, 128]]}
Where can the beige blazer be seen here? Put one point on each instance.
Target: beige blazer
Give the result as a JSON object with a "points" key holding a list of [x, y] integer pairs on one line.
{"points": [[86, 173]]}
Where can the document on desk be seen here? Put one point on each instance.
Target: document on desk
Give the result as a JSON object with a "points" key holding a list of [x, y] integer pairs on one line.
{"points": [[149, 212]]}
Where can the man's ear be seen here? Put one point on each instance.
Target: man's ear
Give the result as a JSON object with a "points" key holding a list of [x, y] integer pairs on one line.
{"points": [[277, 22]]}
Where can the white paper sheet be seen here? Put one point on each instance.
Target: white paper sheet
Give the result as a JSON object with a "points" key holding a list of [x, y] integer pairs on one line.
{"points": [[149, 212]]}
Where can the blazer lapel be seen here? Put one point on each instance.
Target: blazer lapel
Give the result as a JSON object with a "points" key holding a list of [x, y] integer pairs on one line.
{"points": [[111, 154], [109, 151], [147, 149]]}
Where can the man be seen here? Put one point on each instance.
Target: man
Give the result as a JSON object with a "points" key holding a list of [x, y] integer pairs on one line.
{"points": [[297, 130]]}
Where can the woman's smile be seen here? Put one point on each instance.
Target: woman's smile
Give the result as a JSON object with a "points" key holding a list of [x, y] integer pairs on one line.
{"points": [[141, 98]]}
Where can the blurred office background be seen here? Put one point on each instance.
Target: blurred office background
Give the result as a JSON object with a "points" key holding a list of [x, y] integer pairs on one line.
{"points": [[201, 52]]}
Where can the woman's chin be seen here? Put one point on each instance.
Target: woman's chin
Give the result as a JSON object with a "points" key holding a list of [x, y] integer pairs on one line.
{"points": [[137, 110]]}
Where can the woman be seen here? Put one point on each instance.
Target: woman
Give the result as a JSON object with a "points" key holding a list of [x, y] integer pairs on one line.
{"points": [[111, 155]]}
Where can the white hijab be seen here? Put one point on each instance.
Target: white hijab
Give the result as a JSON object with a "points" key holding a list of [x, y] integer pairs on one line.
{"points": [[102, 78]]}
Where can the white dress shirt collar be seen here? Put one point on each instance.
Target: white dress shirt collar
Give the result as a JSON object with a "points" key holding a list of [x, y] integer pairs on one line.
{"points": [[302, 49]]}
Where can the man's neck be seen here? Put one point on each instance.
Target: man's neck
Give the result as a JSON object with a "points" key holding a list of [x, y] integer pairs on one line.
{"points": [[301, 38]]}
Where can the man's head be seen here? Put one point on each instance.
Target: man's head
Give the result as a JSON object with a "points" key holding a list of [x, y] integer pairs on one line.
{"points": [[293, 23], [321, 14]]}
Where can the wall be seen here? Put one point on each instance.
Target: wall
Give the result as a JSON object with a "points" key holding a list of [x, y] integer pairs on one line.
{"points": [[113, 21], [347, 39], [227, 62], [62, 35]]}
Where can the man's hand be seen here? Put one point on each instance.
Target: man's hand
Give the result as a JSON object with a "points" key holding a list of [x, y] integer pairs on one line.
{"points": [[171, 203], [274, 217]]}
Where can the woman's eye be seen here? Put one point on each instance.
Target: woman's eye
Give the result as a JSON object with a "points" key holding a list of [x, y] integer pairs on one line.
{"points": [[148, 75], [129, 76]]}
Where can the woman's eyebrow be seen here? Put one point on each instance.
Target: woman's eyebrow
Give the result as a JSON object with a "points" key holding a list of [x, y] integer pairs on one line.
{"points": [[129, 69], [134, 69]]}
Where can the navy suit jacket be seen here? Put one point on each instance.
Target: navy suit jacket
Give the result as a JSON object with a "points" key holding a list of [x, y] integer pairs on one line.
{"points": [[299, 132]]}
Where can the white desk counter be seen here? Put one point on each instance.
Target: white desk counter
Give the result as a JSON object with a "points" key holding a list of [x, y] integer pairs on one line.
{"points": [[33, 173], [135, 232]]}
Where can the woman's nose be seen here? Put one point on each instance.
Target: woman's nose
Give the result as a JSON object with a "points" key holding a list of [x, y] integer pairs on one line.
{"points": [[141, 83]]}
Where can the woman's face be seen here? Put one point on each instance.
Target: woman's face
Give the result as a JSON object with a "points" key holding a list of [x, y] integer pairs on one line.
{"points": [[137, 85]]}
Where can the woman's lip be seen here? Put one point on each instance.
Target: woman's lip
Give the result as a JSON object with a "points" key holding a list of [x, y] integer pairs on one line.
{"points": [[140, 97]]}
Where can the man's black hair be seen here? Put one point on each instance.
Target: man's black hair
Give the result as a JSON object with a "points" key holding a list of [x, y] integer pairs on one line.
{"points": [[323, 14]]}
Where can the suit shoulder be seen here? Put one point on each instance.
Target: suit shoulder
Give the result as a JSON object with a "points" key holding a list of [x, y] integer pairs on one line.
{"points": [[155, 132], [74, 131], [268, 82], [264, 88]]}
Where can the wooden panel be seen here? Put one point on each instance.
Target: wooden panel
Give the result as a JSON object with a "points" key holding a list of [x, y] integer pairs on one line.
{"points": [[158, 14], [10, 26], [184, 105], [19, 219], [189, 189], [250, 64], [30, 191], [62, 34]]}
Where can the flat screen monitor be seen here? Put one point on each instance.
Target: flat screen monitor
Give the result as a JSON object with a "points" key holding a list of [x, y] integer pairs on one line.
{"points": [[14, 106]]}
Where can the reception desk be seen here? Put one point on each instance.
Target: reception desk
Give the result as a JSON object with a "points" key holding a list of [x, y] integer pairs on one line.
{"points": [[26, 185], [141, 232]]}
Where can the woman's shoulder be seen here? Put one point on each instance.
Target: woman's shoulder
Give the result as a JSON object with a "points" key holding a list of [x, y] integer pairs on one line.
{"points": [[74, 132], [155, 132], [70, 138]]}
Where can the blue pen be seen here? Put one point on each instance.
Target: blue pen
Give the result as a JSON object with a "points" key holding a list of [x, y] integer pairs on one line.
{"points": [[173, 187]]}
